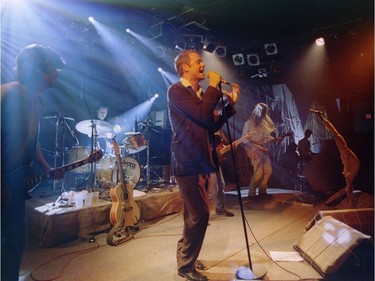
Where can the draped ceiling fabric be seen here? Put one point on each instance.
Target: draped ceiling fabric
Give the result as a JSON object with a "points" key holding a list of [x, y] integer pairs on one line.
{"points": [[320, 133]]}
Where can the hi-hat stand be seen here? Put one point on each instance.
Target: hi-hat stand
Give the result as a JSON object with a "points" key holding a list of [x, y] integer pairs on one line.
{"points": [[149, 169], [147, 124]]}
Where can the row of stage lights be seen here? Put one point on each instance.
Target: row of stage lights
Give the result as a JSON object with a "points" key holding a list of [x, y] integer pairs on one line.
{"points": [[252, 59]]}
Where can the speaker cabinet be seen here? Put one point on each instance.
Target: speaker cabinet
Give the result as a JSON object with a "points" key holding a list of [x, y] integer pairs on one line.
{"points": [[330, 244], [359, 219]]}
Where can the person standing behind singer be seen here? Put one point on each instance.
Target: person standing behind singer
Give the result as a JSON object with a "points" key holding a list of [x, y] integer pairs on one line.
{"points": [[217, 182], [191, 117], [21, 110], [259, 126]]}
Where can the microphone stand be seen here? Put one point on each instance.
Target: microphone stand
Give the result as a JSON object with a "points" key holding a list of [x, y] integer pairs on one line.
{"points": [[91, 177], [59, 122], [254, 271]]}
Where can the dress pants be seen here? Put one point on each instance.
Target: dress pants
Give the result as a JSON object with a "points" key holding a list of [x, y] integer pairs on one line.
{"points": [[194, 194]]}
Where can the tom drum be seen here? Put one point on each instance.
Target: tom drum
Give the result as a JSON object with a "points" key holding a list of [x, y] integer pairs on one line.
{"points": [[135, 143]]}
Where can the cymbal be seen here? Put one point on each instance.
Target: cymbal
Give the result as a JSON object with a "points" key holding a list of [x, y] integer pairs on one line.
{"points": [[131, 133], [102, 127]]}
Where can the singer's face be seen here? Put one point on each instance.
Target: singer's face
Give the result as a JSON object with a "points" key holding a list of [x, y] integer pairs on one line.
{"points": [[196, 67]]}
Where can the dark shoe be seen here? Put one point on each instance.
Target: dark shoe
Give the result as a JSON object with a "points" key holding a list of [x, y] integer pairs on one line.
{"points": [[199, 265], [252, 198], [265, 196], [193, 275], [224, 212]]}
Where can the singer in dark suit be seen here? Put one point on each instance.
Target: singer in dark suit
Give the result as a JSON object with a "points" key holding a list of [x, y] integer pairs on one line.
{"points": [[191, 115]]}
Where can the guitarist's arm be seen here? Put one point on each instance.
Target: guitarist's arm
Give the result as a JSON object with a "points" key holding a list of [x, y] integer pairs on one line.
{"points": [[58, 174], [42, 161]]}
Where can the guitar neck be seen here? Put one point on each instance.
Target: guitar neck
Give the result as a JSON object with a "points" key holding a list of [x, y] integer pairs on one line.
{"points": [[121, 171], [226, 148], [50, 175]]}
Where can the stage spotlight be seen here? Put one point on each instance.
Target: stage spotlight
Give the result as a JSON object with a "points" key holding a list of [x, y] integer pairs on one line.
{"points": [[91, 19], [192, 45], [320, 41], [117, 129], [156, 95], [180, 45], [160, 69], [158, 52], [221, 51], [271, 49], [210, 47], [128, 30], [253, 59], [238, 59]]}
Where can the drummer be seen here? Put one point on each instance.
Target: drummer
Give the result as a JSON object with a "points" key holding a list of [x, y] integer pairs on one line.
{"points": [[104, 141], [104, 136]]}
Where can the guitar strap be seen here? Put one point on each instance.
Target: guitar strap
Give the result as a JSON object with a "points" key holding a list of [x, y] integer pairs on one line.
{"points": [[38, 108]]}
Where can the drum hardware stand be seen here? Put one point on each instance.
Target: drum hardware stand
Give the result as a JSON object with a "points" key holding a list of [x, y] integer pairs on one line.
{"points": [[94, 135], [59, 184], [91, 177], [148, 168]]}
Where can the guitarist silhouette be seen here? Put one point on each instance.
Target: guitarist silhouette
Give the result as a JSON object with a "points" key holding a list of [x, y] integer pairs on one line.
{"points": [[21, 110]]}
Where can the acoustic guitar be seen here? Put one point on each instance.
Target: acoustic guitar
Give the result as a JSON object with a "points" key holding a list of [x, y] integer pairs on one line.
{"points": [[123, 205]]}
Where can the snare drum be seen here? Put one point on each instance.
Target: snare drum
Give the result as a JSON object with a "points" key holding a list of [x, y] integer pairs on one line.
{"points": [[77, 153], [135, 143], [107, 170]]}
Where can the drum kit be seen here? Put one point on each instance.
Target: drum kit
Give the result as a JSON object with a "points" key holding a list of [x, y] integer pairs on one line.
{"points": [[103, 173], [106, 170]]}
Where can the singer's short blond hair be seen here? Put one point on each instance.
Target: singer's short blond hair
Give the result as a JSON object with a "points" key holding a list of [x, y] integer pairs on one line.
{"points": [[181, 59]]}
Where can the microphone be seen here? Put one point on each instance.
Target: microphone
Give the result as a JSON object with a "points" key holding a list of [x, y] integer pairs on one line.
{"points": [[316, 111], [221, 81]]}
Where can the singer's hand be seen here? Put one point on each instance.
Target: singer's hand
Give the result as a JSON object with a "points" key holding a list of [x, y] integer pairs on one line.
{"points": [[214, 79], [233, 96]]}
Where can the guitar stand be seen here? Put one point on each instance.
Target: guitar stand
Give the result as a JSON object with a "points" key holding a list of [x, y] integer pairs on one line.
{"points": [[120, 234]]}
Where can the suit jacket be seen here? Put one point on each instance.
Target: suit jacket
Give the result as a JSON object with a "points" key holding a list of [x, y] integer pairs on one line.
{"points": [[192, 122]]}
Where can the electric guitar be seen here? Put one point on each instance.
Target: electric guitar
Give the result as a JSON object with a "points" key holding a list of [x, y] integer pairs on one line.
{"points": [[221, 150], [123, 205], [31, 181], [261, 147]]}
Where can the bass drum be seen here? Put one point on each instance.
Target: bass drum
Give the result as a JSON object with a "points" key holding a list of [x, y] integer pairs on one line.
{"points": [[107, 170]]}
